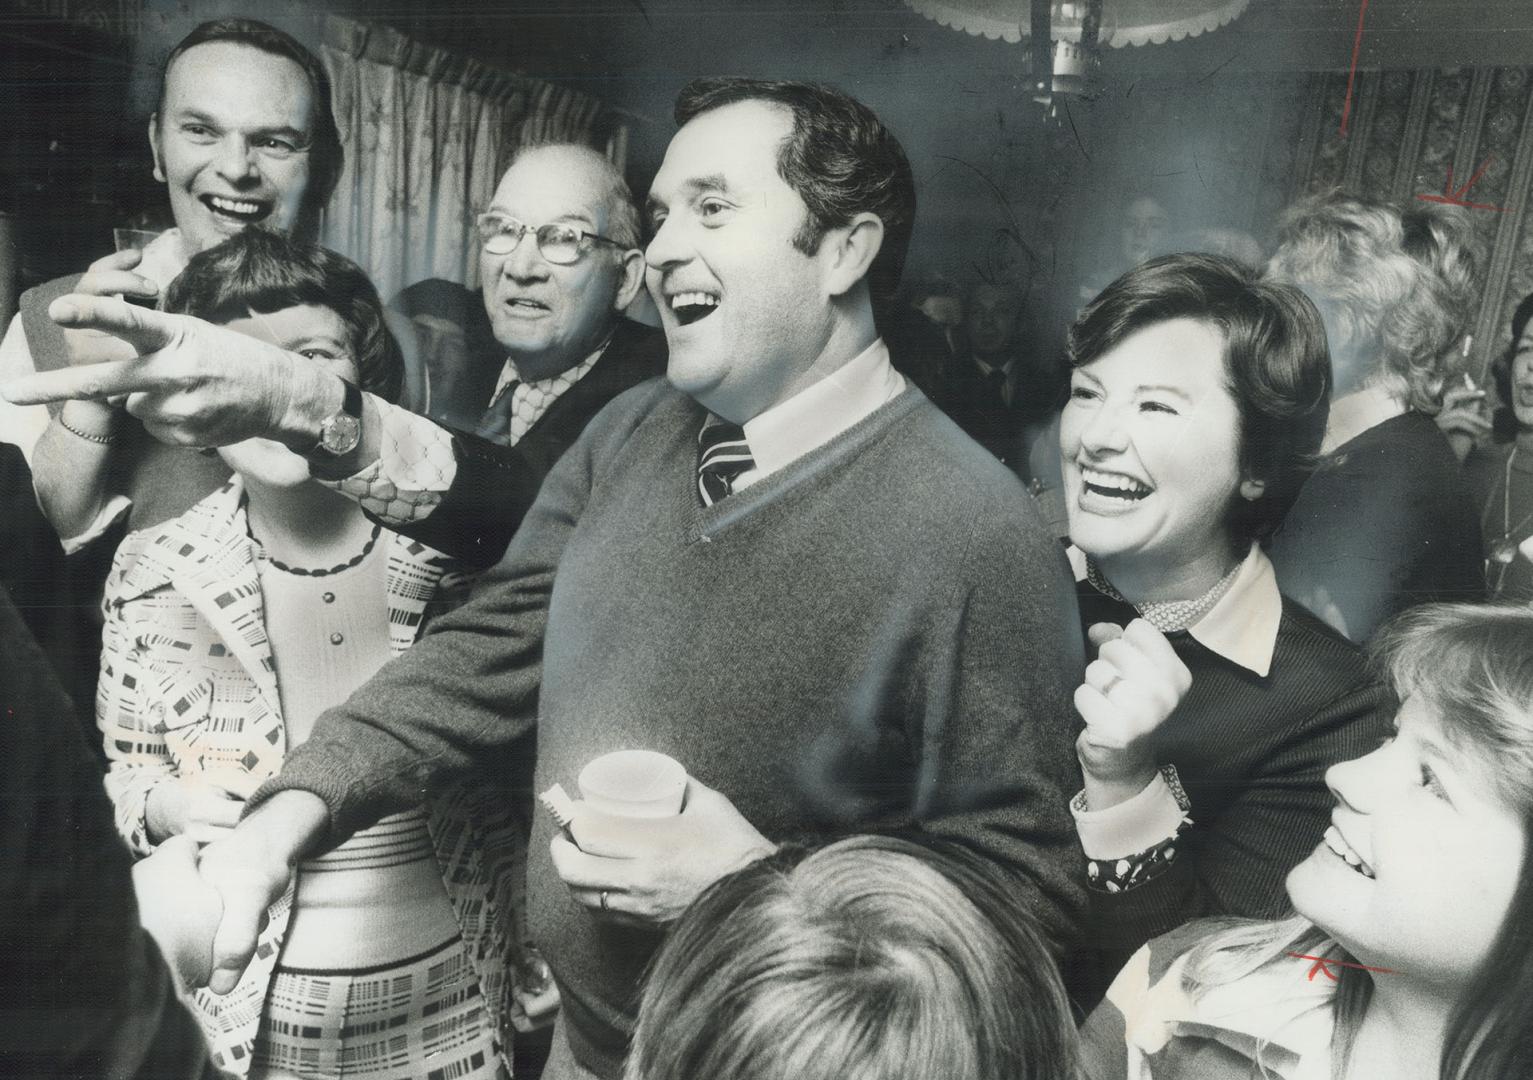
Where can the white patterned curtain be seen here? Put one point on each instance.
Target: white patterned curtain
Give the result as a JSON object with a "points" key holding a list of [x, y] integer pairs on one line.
{"points": [[427, 134]]}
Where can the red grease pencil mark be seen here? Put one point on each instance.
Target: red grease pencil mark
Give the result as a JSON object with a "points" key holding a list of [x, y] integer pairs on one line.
{"points": [[1322, 966], [1357, 45], [1460, 197]]}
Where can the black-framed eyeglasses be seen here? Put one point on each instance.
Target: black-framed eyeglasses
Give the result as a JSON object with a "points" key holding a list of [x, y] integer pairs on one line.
{"points": [[563, 244]]}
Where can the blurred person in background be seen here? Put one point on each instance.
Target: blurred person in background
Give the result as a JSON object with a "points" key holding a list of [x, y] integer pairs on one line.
{"points": [[1500, 474], [1003, 398], [1198, 399], [1144, 231], [1442, 239], [1236, 244], [1384, 522], [923, 329], [874, 957]]}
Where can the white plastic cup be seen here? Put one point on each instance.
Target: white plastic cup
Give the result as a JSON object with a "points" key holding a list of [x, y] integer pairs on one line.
{"points": [[634, 784]]}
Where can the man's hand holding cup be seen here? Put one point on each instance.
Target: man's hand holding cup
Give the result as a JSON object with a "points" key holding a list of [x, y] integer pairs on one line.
{"points": [[645, 839]]}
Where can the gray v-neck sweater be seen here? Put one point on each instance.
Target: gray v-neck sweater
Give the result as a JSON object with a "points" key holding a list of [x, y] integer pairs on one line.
{"points": [[882, 635]]}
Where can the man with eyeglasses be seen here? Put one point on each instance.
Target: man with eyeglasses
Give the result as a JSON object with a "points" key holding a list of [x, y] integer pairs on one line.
{"points": [[559, 261]]}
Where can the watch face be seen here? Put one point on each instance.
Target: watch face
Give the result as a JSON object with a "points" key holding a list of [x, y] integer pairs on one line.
{"points": [[340, 434]]}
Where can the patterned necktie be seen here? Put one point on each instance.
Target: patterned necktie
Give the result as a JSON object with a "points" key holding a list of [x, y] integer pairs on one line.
{"points": [[495, 425], [722, 455]]}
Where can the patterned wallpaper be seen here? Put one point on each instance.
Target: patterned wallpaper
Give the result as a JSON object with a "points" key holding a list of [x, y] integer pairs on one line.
{"points": [[1406, 130]]}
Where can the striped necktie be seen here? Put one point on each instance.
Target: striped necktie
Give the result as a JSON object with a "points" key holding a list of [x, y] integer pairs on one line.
{"points": [[722, 455]]}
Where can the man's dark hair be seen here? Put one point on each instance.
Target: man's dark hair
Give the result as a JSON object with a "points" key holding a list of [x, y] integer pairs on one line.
{"points": [[325, 154], [839, 158], [1276, 364], [260, 272]]}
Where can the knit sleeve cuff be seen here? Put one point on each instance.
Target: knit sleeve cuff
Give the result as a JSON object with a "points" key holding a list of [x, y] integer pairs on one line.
{"points": [[1135, 825]]}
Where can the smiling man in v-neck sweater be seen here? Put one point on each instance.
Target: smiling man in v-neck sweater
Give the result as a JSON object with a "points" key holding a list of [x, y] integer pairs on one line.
{"points": [[784, 567]]}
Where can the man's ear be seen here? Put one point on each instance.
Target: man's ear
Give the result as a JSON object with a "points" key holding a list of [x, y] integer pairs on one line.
{"points": [[154, 146], [848, 252], [631, 267]]}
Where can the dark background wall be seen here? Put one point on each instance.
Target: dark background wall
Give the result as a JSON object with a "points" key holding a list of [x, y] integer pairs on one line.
{"points": [[1210, 126]]}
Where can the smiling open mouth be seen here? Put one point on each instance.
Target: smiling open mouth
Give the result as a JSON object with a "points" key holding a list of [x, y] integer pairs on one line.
{"points": [[1338, 844], [692, 306], [244, 211], [1114, 485]]}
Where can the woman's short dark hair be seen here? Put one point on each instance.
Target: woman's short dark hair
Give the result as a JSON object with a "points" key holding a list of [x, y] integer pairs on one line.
{"points": [[260, 272], [839, 158], [875, 957], [325, 154], [1275, 362]]}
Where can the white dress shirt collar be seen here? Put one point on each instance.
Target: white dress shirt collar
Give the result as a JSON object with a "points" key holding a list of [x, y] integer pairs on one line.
{"points": [[821, 411], [1243, 626]]}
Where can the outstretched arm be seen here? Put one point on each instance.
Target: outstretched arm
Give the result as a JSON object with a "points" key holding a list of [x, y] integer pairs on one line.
{"points": [[194, 384], [191, 383]]}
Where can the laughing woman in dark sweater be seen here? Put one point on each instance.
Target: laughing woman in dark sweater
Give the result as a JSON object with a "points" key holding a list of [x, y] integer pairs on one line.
{"points": [[1198, 398]]}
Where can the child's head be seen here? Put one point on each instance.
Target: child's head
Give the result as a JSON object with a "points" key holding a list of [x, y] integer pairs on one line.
{"points": [[874, 958], [299, 296]]}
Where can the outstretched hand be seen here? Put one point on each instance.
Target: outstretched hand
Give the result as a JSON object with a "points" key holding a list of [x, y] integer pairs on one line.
{"points": [[247, 881], [191, 383], [248, 871], [180, 912]]}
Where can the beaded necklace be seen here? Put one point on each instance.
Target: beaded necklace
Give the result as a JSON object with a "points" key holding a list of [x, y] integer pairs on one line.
{"points": [[1167, 616], [302, 571]]}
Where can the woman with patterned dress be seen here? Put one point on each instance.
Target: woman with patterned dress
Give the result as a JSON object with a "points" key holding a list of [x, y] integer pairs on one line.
{"points": [[229, 630], [1215, 704]]}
